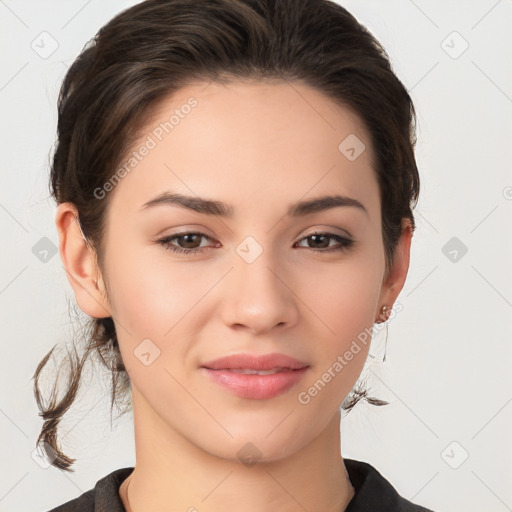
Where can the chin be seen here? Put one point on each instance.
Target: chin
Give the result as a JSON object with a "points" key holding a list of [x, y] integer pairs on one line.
{"points": [[249, 446]]}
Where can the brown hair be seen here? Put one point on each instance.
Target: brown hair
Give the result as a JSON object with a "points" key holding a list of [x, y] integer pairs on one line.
{"points": [[154, 48]]}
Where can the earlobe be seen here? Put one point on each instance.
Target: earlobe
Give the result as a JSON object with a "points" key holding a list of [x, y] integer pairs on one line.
{"points": [[80, 264]]}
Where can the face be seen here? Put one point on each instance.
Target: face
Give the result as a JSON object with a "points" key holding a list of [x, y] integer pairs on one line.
{"points": [[256, 281]]}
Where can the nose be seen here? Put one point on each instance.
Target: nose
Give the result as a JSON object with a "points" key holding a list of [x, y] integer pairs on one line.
{"points": [[258, 296]]}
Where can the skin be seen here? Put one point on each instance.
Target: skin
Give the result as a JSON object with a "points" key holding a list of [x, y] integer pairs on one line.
{"points": [[259, 147]]}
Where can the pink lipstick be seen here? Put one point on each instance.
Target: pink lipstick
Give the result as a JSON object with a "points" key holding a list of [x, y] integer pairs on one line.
{"points": [[257, 377]]}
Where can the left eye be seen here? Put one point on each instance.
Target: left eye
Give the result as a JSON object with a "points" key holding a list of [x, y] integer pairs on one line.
{"points": [[191, 238]]}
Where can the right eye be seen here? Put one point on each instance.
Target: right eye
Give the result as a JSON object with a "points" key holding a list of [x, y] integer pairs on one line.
{"points": [[189, 237]]}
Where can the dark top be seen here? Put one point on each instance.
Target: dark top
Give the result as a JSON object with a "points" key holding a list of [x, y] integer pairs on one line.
{"points": [[373, 493]]}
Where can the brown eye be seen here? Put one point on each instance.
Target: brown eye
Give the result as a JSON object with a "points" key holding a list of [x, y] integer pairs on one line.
{"points": [[185, 239], [320, 241]]}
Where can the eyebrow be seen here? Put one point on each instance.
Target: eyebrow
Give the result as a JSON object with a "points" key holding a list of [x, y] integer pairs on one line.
{"points": [[210, 207]]}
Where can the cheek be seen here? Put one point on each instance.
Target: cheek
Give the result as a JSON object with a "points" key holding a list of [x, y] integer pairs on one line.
{"points": [[155, 307], [344, 296], [343, 301], [160, 301], [151, 294]]}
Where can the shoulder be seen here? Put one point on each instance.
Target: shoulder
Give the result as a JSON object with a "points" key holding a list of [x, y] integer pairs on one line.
{"points": [[102, 498], [373, 492]]}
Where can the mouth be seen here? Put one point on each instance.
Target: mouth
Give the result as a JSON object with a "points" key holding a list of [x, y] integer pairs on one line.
{"points": [[251, 371], [272, 362], [256, 384], [255, 376]]}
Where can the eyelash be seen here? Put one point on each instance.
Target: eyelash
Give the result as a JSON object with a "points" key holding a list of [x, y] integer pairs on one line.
{"points": [[345, 246]]}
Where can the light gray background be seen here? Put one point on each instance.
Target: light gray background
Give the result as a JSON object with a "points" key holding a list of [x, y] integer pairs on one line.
{"points": [[445, 440]]}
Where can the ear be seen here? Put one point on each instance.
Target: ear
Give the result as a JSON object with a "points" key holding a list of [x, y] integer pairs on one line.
{"points": [[80, 263], [394, 280]]}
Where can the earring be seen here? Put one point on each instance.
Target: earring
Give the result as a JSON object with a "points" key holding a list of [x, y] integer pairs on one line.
{"points": [[384, 315]]}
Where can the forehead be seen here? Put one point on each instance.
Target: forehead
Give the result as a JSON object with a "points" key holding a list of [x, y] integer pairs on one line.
{"points": [[248, 141]]}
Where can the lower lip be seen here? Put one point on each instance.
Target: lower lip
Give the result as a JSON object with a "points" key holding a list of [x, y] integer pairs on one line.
{"points": [[257, 387]]}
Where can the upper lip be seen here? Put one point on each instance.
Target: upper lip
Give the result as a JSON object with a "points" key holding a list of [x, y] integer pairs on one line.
{"points": [[255, 362]]}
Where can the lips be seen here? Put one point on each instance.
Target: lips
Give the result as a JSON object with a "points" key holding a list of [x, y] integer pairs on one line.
{"points": [[247, 371], [265, 362], [256, 377]]}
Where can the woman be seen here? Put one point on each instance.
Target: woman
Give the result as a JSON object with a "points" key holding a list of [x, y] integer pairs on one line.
{"points": [[234, 183]]}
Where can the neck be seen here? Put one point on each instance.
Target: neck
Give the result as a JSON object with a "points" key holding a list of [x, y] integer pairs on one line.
{"points": [[171, 473]]}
